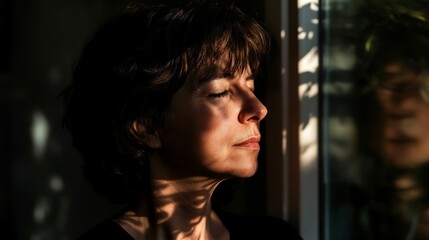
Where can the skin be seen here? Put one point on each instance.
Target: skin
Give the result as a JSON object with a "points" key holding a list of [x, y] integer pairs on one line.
{"points": [[211, 134]]}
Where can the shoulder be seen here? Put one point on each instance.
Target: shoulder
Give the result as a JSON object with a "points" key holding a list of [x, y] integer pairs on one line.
{"points": [[258, 227], [107, 229]]}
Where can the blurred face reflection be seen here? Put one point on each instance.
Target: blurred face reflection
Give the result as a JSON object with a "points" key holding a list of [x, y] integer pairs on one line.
{"points": [[403, 137]]}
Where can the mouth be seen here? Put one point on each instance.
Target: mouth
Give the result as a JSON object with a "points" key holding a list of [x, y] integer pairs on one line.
{"points": [[402, 140], [250, 143], [402, 135]]}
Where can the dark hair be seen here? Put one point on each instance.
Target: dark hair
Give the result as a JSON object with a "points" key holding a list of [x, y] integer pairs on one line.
{"points": [[393, 30], [130, 70]]}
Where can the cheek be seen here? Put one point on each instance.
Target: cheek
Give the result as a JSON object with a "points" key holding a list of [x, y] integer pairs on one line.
{"points": [[209, 118], [212, 128], [202, 135]]}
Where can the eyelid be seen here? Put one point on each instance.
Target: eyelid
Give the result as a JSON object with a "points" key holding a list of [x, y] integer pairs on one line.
{"points": [[220, 94]]}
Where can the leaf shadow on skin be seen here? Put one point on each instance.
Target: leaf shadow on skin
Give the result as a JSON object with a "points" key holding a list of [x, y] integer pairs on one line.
{"points": [[188, 204]]}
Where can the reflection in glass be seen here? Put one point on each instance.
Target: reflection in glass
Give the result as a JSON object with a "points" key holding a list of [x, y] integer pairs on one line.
{"points": [[388, 188]]}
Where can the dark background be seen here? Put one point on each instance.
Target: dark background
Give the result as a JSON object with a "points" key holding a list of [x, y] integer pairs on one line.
{"points": [[42, 192]]}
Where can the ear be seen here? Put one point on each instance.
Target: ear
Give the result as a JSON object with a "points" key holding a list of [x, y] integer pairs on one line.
{"points": [[140, 132]]}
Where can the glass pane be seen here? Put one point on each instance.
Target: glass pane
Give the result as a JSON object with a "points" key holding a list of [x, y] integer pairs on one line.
{"points": [[376, 119]]}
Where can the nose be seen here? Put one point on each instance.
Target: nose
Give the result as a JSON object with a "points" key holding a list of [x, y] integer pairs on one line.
{"points": [[253, 111]]}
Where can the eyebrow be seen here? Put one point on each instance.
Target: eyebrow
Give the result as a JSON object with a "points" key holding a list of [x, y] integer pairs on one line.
{"points": [[219, 73]]}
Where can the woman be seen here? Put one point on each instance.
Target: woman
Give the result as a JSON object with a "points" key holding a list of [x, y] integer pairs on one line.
{"points": [[162, 109]]}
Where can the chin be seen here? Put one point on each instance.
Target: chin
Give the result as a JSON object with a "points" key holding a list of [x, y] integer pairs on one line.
{"points": [[248, 170]]}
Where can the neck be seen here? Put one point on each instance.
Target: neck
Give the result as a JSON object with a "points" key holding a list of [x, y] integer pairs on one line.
{"points": [[181, 199], [181, 205]]}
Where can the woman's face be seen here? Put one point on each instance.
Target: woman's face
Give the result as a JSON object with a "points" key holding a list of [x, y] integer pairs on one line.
{"points": [[212, 129]]}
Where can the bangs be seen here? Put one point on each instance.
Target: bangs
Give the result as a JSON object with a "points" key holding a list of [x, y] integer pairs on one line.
{"points": [[220, 41], [237, 50]]}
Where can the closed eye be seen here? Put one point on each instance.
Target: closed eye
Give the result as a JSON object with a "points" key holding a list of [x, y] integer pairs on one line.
{"points": [[219, 95]]}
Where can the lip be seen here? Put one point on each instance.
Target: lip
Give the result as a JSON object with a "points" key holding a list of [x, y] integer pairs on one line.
{"points": [[251, 143]]}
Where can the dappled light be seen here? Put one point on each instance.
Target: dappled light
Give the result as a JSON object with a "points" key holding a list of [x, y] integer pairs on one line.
{"points": [[39, 134]]}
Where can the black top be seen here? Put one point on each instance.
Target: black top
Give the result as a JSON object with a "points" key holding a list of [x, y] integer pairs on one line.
{"points": [[239, 227]]}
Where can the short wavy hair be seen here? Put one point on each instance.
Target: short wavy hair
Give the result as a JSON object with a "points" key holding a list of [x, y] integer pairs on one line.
{"points": [[130, 70], [395, 30]]}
